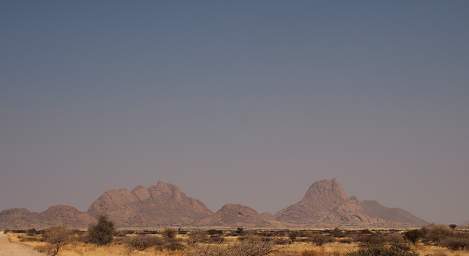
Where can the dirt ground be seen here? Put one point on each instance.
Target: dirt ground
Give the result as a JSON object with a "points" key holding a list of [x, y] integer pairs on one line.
{"points": [[8, 248]]}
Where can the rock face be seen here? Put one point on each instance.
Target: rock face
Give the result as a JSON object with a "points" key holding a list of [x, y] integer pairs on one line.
{"points": [[325, 204], [396, 215], [160, 204], [236, 215], [58, 215]]}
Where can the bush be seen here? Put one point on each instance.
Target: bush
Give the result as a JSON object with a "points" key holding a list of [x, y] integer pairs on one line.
{"points": [[437, 233], [32, 232], [56, 238], [414, 236], [456, 243], [143, 242], [320, 240], [217, 238], [293, 235], [102, 233], [169, 233], [198, 236], [371, 239]]}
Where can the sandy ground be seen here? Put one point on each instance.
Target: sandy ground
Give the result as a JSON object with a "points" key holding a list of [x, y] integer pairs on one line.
{"points": [[12, 249]]}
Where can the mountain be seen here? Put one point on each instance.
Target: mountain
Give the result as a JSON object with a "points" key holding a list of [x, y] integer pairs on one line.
{"points": [[58, 215], [376, 210], [325, 204], [160, 204], [236, 215]]}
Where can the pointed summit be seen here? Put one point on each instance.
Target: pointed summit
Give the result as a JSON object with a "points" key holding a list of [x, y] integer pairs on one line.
{"points": [[326, 192], [325, 203]]}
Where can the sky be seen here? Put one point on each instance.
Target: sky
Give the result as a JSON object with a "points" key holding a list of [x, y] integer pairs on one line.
{"points": [[243, 101]]}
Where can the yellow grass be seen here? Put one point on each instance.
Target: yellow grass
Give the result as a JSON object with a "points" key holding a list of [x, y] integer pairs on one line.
{"points": [[81, 249]]}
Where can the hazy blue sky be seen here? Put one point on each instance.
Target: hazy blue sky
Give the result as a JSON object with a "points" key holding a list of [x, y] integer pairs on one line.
{"points": [[240, 101]]}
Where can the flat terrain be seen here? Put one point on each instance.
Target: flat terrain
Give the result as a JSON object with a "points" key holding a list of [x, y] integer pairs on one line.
{"points": [[13, 249]]}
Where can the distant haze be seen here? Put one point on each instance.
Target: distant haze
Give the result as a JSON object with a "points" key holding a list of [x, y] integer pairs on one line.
{"points": [[236, 102]]}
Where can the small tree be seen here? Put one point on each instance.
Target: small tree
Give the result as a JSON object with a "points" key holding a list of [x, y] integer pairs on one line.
{"points": [[102, 233], [453, 226], [57, 237]]}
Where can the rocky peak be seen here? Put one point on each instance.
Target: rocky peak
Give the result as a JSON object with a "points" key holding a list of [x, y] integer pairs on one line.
{"points": [[141, 193], [328, 193], [164, 190]]}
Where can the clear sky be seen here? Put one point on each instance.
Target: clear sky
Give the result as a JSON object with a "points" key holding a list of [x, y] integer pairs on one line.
{"points": [[240, 101]]}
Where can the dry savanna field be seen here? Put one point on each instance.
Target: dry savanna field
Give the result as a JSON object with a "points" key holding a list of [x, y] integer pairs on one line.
{"points": [[429, 241]]}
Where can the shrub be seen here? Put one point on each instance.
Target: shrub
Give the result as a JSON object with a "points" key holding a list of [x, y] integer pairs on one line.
{"points": [[293, 235], [320, 240], [437, 233], [240, 231], [143, 242], [414, 236], [32, 232], [56, 237], [217, 238], [102, 233], [169, 233], [456, 243], [371, 240], [215, 232], [337, 233], [198, 236]]}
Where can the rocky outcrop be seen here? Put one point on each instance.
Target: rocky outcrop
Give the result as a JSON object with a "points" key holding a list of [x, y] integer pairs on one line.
{"points": [[160, 204], [236, 215], [325, 203], [59, 215]]}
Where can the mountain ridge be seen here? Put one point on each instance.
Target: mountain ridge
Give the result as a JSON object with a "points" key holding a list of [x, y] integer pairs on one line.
{"points": [[325, 204]]}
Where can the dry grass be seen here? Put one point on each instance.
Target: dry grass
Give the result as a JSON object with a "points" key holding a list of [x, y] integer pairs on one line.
{"points": [[295, 249]]}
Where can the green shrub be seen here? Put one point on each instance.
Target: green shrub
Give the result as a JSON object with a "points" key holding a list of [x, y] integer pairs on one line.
{"points": [[102, 233]]}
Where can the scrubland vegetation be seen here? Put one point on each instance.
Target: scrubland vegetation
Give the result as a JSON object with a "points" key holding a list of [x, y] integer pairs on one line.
{"points": [[103, 239]]}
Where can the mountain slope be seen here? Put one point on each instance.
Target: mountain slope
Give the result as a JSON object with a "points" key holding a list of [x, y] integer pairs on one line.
{"points": [[376, 210], [58, 215], [160, 204], [325, 204], [236, 215]]}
